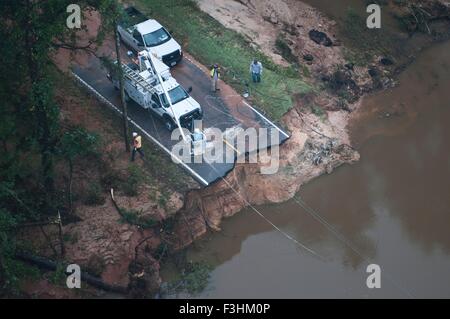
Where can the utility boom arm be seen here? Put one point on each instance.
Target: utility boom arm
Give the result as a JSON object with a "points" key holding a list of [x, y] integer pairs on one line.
{"points": [[160, 80], [150, 84]]}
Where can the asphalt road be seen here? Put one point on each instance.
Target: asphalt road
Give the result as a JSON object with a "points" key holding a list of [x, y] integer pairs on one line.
{"points": [[219, 111]]}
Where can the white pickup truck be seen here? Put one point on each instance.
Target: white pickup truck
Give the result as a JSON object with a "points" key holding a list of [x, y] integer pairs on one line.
{"points": [[140, 33], [150, 84]]}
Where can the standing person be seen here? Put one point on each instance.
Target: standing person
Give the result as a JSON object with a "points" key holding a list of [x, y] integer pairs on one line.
{"points": [[137, 146], [215, 75], [256, 70], [198, 143]]}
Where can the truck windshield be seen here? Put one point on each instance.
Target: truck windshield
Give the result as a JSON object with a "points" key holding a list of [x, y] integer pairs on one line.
{"points": [[177, 94], [156, 37]]}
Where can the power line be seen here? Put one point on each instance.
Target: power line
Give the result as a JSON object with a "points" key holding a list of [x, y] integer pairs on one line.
{"points": [[289, 237], [343, 239]]}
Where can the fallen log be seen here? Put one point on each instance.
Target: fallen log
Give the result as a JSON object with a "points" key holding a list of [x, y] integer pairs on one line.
{"points": [[47, 264], [116, 206]]}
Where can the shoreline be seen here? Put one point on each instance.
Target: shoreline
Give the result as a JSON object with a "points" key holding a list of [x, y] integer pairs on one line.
{"points": [[308, 132], [209, 219], [203, 210]]}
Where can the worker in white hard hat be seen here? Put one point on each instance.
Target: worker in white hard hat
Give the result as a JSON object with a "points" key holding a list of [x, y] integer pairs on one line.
{"points": [[198, 142], [137, 146]]}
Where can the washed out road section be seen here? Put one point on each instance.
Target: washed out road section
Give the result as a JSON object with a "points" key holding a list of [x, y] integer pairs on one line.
{"points": [[223, 110]]}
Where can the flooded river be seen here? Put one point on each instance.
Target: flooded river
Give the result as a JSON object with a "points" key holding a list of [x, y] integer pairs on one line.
{"points": [[392, 208]]}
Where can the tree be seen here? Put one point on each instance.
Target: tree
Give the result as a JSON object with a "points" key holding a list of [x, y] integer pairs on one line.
{"points": [[111, 13], [30, 31], [31, 28], [77, 143]]}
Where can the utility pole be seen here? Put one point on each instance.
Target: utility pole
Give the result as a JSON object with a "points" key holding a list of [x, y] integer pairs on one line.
{"points": [[122, 91]]}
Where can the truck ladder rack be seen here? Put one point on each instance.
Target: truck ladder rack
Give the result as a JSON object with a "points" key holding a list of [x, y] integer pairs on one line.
{"points": [[137, 78]]}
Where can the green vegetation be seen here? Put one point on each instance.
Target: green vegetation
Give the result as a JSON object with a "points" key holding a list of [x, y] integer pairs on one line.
{"points": [[194, 278], [96, 265], [166, 172], [284, 50], [163, 199], [78, 143], [157, 170], [15, 271], [168, 225], [317, 110], [160, 252], [30, 130], [134, 217], [415, 19], [58, 277], [70, 238], [134, 179], [365, 43], [209, 42], [161, 196], [94, 194], [197, 277]]}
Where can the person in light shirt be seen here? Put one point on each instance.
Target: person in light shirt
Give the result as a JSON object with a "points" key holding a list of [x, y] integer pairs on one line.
{"points": [[137, 146]]}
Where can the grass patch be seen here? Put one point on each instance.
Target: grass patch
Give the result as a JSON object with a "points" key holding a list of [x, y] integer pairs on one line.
{"points": [[194, 278], [133, 181], [284, 49], [132, 217], [170, 175], [70, 238], [210, 42], [365, 42], [18, 272], [159, 168], [317, 110], [197, 277], [58, 277], [94, 195]]}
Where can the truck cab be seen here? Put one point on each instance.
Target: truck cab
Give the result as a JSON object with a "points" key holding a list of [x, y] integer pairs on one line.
{"points": [[183, 105], [140, 33]]}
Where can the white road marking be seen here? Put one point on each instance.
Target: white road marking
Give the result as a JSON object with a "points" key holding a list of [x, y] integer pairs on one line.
{"points": [[265, 118], [106, 101]]}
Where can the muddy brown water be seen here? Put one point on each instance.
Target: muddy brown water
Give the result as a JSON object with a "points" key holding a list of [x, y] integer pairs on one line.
{"points": [[392, 208]]}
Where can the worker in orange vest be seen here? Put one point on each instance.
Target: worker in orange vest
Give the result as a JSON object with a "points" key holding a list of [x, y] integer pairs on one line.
{"points": [[137, 146]]}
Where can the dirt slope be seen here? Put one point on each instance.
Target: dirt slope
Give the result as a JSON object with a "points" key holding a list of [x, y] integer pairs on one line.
{"points": [[263, 21]]}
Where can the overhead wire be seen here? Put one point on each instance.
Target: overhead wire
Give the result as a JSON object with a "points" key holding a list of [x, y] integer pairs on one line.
{"points": [[344, 240]]}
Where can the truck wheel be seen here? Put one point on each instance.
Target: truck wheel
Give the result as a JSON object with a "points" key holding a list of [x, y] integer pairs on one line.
{"points": [[168, 123]]}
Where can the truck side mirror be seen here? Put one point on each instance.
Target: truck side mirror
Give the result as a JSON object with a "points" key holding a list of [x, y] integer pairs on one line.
{"points": [[190, 89]]}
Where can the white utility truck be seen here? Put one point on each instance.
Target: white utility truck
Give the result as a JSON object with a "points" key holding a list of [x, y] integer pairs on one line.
{"points": [[150, 84], [141, 33]]}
